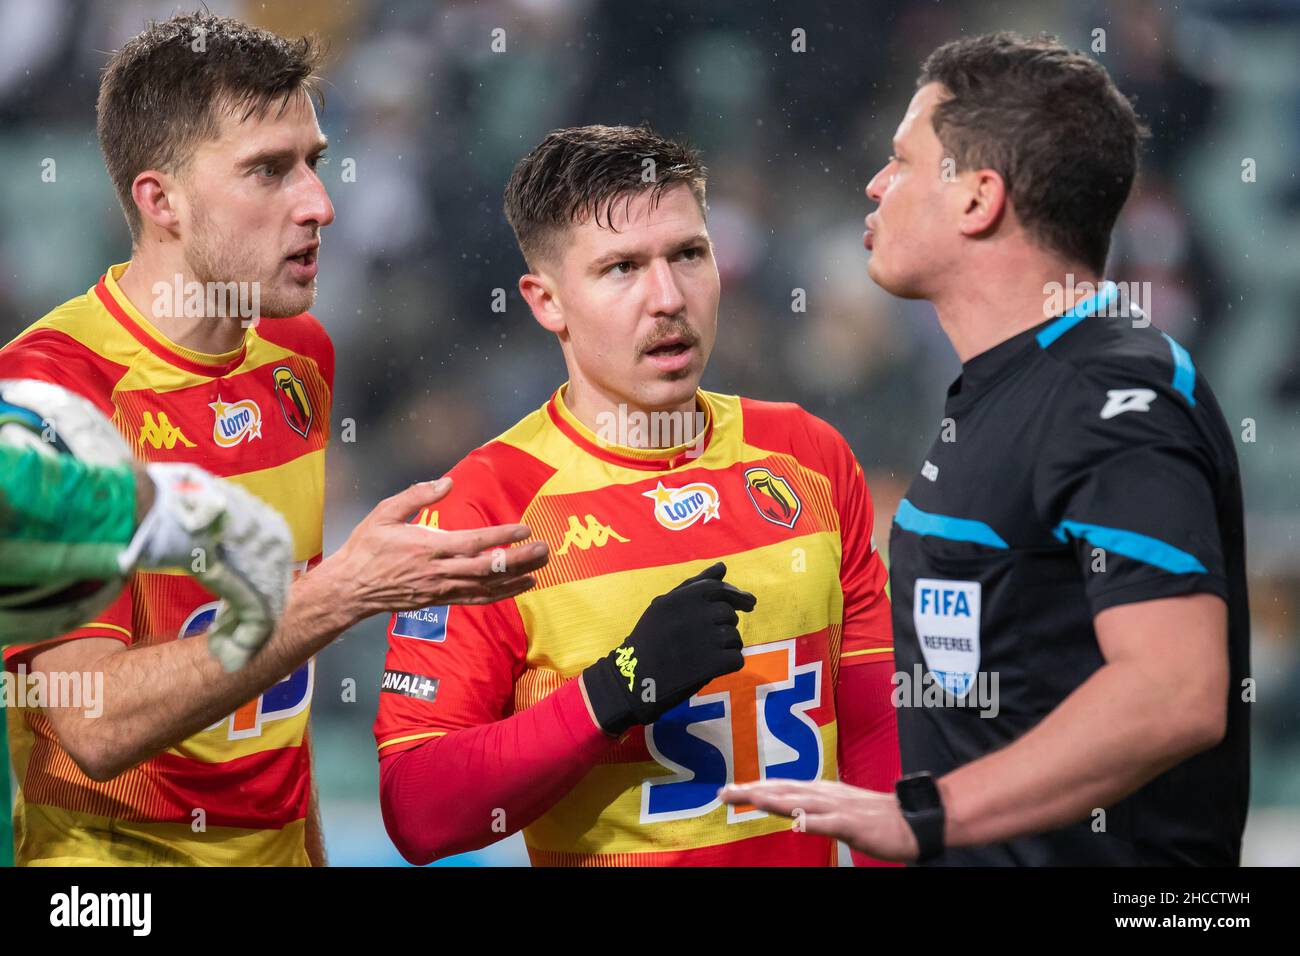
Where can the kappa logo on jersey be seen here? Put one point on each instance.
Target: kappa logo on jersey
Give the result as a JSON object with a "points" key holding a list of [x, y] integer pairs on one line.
{"points": [[593, 534], [947, 619], [161, 433], [750, 725], [410, 685], [235, 421], [679, 508], [1121, 400], [288, 698], [773, 496], [426, 624], [294, 402]]}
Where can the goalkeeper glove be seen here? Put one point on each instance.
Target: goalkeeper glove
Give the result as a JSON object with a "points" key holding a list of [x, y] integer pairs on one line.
{"points": [[684, 639], [235, 544]]}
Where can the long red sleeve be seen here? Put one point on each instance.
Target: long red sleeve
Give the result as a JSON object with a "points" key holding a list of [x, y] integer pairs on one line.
{"points": [[474, 786], [868, 731]]}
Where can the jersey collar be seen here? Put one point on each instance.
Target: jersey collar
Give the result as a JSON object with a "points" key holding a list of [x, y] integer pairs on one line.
{"points": [[990, 365], [644, 459], [130, 318]]}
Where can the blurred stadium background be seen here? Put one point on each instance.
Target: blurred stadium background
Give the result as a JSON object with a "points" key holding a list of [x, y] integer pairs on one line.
{"points": [[434, 121]]}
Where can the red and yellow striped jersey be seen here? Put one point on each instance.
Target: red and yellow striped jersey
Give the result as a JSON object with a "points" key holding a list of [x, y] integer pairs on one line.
{"points": [[773, 492], [236, 793]]}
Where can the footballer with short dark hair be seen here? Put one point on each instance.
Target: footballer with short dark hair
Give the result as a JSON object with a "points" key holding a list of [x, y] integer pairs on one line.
{"points": [[714, 609], [1079, 534]]}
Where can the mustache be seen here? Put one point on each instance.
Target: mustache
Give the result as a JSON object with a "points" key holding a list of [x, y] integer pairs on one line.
{"points": [[667, 328]]}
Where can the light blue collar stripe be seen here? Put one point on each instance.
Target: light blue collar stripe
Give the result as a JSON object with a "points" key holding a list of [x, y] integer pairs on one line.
{"points": [[1184, 370], [1104, 296], [912, 518], [1130, 544]]}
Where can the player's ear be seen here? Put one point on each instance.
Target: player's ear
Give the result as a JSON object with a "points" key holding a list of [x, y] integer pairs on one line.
{"points": [[537, 292], [151, 191], [986, 201]]}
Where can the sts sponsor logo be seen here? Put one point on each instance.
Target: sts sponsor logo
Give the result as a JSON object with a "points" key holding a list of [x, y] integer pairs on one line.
{"points": [[947, 619], [235, 421], [750, 725], [285, 699], [679, 508]]}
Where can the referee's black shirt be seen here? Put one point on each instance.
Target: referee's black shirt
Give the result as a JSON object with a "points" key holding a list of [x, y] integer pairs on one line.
{"points": [[1082, 464]]}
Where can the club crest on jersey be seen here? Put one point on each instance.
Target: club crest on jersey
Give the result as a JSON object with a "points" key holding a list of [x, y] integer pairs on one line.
{"points": [[946, 615], [773, 496], [235, 421], [294, 402], [679, 508]]}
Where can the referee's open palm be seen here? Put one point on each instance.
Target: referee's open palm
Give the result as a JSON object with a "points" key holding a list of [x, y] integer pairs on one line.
{"points": [[867, 820]]}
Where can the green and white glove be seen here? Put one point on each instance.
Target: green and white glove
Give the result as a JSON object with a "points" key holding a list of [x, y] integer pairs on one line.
{"points": [[236, 545]]}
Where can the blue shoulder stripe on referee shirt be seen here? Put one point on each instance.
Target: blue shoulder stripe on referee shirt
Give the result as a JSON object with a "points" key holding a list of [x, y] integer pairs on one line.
{"points": [[1131, 544], [912, 518], [1184, 370], [1104, 296]]}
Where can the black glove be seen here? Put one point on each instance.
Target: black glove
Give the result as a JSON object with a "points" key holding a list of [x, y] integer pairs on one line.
{"points": [[684, 639]]}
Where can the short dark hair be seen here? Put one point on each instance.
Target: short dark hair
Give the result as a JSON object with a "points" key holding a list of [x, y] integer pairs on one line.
{"points": [[1052, 123], [162, 93], [584, 171]]}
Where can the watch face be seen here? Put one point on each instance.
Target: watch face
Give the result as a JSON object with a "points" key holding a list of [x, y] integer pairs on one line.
{"points": [[918, 793]]}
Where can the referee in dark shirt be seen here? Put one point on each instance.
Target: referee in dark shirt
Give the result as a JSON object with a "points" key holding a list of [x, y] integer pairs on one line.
{"points": [[1068, 566]]}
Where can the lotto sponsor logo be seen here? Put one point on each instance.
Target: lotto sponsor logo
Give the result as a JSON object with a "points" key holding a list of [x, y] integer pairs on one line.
{"points": [[679, 508], [234, 422]]}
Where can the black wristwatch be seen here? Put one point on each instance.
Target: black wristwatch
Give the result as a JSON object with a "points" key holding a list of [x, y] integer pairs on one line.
{"points": [[923, 810]]}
